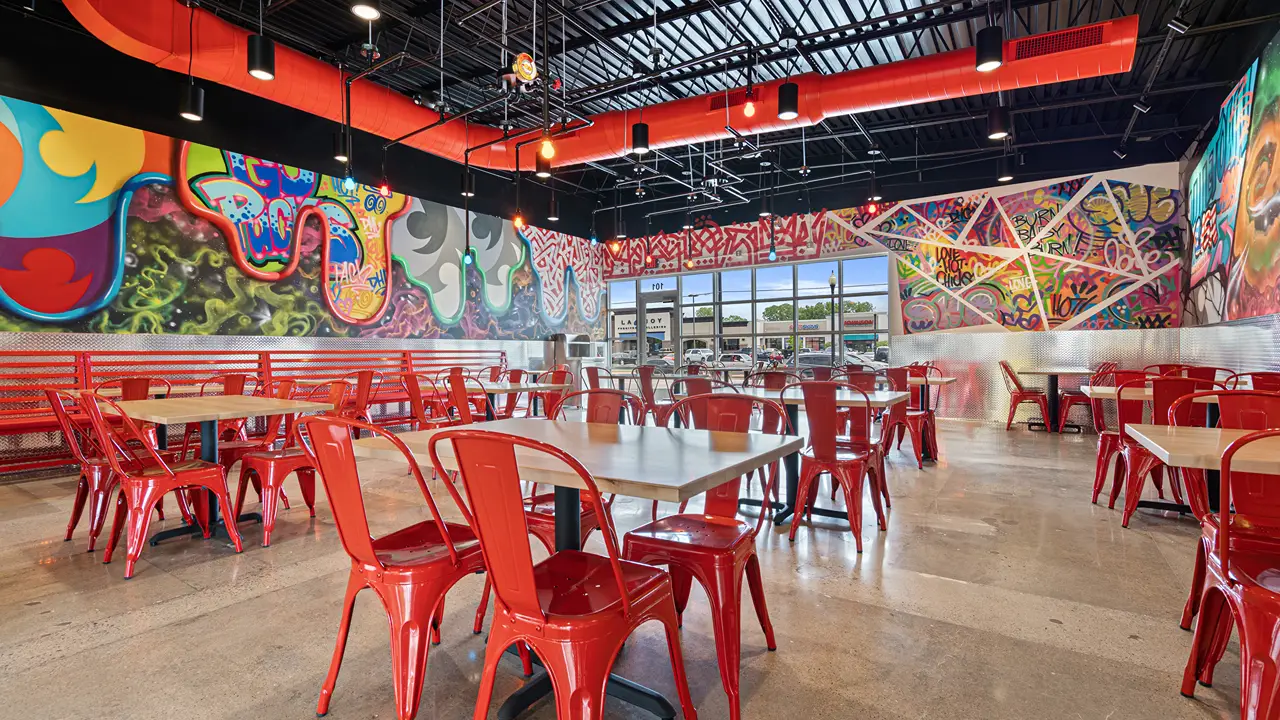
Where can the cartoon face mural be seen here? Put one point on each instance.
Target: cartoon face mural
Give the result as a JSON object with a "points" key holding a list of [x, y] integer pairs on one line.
{"points": [[1086, 252], [98, 237], [429, 240], [1253, 281], [65, 181]]}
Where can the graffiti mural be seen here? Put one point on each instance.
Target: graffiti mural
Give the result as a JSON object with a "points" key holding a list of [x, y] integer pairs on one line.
{"points": [[1087, 252], [139, 234]]}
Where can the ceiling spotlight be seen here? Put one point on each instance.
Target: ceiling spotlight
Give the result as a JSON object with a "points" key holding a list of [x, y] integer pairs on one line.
{"points": [[749, 107], [1179, 25], [804, 171], [998, 125], [788, 101], [989, 49], [547, 149], [873, 150], [367, 10], [553, 211], [542, 166], [1142, 107], [262, 57], [788, 40], [191, 104], [640, 191], [638, 70], [640, 138], [468, 184], [873, 209], [1004, 169], [686, 226], [1121, 152]]}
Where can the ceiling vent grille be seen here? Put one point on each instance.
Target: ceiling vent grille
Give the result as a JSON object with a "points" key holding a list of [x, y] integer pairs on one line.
{"points": [[1051, 43], [733, 98]]}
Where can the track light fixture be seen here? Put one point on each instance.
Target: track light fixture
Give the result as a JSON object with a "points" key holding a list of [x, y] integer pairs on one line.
{"points": [[367, 10], [640, 138], [1142, 107], [262, 52], [788, 101], [622, 229], [1121, 152], [1179, 25], [998, 123], [989, 49], [1004, 169], [342, 146], [542, 166]]}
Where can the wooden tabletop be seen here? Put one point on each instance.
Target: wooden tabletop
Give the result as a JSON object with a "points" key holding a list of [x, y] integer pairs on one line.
{"points": [[172, 410], [1056, 371], [506, 388], [1108, 392], [668, 464], [844, 398], [1197, 447], [176, 389], [931, 380]]}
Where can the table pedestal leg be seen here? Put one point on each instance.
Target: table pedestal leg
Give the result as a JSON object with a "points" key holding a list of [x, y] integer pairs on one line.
{"points": [[925, 452], [208, 453], [791, 468], [489, 406], [1051, 422], [569, 537]]}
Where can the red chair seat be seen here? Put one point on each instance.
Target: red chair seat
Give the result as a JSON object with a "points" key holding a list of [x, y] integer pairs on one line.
{"points": [[705, 531], [422, 544], [183, 466], [575, 583], [285, 454]]}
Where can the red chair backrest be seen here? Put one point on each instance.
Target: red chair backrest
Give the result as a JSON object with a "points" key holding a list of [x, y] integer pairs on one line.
{"points": [[327, 440], [645, 374], [461, 391], [821, 409], [490, 474], [1166, 390], [137, 388], [333, 392], [1130, 410], [1254, 495], [822, 373], [593, 376], [284, 391], [121, 450], [864, 380], [493, 373], [604, 405], [897, 377], [1105, 375], [514, 377], [1265, 381], [420, 406], [773, 379], [367, 383], [232, 383], [77, 436], [1011, 380]]}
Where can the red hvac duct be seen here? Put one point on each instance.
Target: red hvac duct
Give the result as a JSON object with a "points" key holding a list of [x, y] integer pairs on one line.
{"points": [[156, 31]]}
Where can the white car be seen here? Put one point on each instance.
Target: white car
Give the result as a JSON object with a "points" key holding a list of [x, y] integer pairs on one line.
{"points": [[698, 355]]}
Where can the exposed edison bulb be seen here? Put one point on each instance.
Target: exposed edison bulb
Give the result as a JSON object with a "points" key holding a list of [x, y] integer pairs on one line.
{"points": [[749, 109], [548, 148], [518, 220], [384, 190], [773, 254], [615, 246], [466, 258], [648, 261], [689, 264], [348, 183]]}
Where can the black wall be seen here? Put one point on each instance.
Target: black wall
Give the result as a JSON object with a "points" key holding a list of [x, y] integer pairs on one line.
{"points": [[66, 67]]}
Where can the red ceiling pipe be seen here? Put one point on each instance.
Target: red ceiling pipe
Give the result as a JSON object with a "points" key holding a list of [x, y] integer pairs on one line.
{"points": [[156, 31]]}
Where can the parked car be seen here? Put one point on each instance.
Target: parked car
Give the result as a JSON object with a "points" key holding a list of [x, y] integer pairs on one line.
{"points": [[865, 360], [624, 358], [664, 365], [882, 354], [734, 361], [698, 355]]}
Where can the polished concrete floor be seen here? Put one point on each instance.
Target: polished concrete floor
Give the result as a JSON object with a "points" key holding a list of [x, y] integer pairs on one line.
{"points": [[998, 591]]}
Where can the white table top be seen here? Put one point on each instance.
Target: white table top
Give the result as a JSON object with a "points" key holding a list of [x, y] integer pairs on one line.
{"points": [[668, 464], [1056, 371], [1108, 392], [931, 380], [1197, 447], [175, 410]]}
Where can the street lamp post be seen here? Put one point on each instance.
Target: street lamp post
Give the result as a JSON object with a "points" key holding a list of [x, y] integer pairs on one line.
{"points": [[832, 281]]}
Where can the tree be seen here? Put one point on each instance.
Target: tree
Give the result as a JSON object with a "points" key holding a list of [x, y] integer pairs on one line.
{"points": [[776, 313], [821, 310], [732, 318], [704, 312]]}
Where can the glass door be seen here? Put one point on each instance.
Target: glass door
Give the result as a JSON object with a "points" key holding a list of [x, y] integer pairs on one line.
{"points": [[658, 310]]}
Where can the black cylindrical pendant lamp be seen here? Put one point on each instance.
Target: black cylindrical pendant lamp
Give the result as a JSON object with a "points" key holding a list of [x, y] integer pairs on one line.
{"points": [[262, 57], [542, 166], [1004, 169], [640, 138], [788, 101], [998, 123], [191, 104], [468, 184], [989, 48]]}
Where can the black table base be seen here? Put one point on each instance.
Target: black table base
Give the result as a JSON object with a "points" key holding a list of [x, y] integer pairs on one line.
{"points": [[569, 537], [208, 453]]}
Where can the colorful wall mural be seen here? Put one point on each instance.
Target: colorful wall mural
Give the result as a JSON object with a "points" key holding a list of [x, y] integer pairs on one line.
{"points": [[111, 229], [1086, 253]]}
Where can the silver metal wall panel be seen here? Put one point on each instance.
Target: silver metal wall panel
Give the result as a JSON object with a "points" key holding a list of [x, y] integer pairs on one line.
{"points": [[972, 358], [1243, 345]]}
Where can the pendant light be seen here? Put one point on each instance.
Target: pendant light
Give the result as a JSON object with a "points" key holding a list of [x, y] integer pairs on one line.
{"points": [[1004, 169], [342, 146], [989, 49], [640, 138], [367, 10], [873, 193], [191, 104], [788, 101], [622, 229], [998, 123], [553, 211], [262, 52], [468, 183], [546, 148], [518, 219], [542, 166]]}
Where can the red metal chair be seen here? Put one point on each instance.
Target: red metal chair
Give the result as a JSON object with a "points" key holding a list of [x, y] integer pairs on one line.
{"points": [[465, 394], [492, 373], [1241, 590], [825, 454], [1019, 394], [1238, 410], [1071, 397], [410, 570], [145, 477], [511, 403], [1108, 440], [1264, 381], [659, 408], [1166, 368], [864, 380], [920, 421], [1138, 461], [228, 384], [558, 375], [705, 385], [574, 609], [822, 374], [266, 468], [714, 546], [137, 388], [429, 409], [770, 379], [1129, 411], [366, 384]]}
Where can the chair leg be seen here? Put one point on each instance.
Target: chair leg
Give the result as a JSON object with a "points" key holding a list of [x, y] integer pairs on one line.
{"points": [[677, 663], [82, 495], [410, 615], [122, 514], [495, 648], [1013, 410], [1105, 451], [271, 496], [99, 501], [808, 473], [1197, 588], [757, 598], [354, 586], [853, 500], [1136, 471], [478, 625], [681, 586], [582, 679], [724, 592], [1117, 480], [141, 500], [881, 516], [224, 498], [1214, 613], [307, 481]]}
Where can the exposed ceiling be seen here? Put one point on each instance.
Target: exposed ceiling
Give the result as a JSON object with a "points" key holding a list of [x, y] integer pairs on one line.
{"points": [[605, 52]]}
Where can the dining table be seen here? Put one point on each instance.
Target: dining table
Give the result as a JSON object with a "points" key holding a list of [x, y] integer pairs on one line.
{"points": [[208, 410], [925, 382], [879, 399], [1201, 448], [652, 463], [494, 389], [1051, 375]]}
